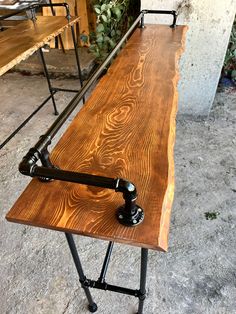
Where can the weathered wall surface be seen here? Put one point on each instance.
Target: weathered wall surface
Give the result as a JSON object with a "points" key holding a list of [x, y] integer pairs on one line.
{"points": [[210, 23]]}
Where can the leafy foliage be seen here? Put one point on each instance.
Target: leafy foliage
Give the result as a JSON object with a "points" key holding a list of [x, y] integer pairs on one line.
{"points": [[112, 22], [211, 215], [230, 59]]}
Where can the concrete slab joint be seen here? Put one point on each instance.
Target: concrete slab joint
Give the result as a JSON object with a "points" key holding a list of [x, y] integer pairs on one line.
{"points": [[210, 24]]}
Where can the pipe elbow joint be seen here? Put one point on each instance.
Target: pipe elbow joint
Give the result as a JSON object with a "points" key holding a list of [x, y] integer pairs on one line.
{"points": [[28, 163], [130, 214], [128, 189]]}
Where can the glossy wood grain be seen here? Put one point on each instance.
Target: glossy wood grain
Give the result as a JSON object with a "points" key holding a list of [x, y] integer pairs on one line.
{"points": [[126, 129], [21, 41]]}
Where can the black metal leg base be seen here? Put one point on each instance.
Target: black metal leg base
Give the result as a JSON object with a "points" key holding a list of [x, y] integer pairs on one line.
{"points": [[101, 283], [92, 307]]}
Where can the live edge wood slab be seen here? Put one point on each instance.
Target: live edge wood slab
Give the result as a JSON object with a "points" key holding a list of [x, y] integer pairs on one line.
{"points": [[20, 42], [126, 129]]}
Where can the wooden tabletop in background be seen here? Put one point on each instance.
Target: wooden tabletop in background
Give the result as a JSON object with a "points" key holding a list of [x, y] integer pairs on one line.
{"points": [[8, 2], [19, 42], [126, 129]]}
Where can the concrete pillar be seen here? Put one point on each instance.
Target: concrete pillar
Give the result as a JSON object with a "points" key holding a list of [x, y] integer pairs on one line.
{"points": [[210, 23]]}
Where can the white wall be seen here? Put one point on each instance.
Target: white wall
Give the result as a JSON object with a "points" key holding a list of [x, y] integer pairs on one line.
{"points": [[210, 23]]}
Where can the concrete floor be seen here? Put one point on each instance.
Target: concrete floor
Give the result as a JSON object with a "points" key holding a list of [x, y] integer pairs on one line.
{"points": [[59, 64], [197, 275]]}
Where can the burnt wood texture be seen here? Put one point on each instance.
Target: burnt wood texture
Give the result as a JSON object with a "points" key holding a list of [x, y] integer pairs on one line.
{"points": [[19, 42], [126, 129]]}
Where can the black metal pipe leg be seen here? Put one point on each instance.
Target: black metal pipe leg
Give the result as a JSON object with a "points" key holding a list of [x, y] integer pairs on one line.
{"points": [[143, 276], [77, 57], [106, 262], [48, 81], [92, 305]]}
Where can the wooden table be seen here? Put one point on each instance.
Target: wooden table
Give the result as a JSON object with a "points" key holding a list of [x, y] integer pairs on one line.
{"points": [[126, 129], [21, 41]]}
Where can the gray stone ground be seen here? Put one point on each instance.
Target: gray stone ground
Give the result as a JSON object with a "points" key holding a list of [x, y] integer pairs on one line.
{"points": [[59, 64], [197, 275]]}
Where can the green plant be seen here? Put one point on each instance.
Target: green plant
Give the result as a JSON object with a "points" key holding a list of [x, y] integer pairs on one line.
{"points": [[211, 215], [230, 58], [112, 22]]}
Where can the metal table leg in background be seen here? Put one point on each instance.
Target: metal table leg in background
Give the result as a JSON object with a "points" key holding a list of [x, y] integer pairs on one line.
{"points": [[48, 81], [77, 57], [76, 54], [59, 36]]}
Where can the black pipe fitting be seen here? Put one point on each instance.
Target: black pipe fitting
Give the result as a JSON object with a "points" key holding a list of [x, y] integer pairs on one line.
{"points": [[142, 296], [130, 214], [28, 163], [127, 188], [38, 152], [172, 12], [85, 283]]}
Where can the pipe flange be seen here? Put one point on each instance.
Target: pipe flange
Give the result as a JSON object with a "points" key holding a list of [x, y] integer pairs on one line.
{"points": [[130, 220]]}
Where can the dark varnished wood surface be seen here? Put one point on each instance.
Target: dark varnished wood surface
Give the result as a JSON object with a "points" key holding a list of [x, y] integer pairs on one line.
{"points": [[126, 129], [21, 41]]}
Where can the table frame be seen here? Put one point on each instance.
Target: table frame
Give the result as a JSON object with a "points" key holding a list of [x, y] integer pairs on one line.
{"points": [[101, 283]]}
